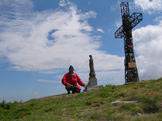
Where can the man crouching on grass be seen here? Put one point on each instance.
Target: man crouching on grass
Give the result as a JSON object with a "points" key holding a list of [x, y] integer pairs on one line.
{"points": [[71, 81]]}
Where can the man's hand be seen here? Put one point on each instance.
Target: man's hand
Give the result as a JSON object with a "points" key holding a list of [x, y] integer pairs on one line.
{"points": [[69, 85], [73, 87], [84, 85]]}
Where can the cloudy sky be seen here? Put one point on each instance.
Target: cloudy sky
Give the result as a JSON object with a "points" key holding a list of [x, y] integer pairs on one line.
{"points": [[39, 39]]}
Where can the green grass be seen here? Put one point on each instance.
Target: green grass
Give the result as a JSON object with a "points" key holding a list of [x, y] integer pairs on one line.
{"points": [[96, 105]]}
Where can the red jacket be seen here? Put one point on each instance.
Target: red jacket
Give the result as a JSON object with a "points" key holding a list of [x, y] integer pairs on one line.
{"points": [[72, 80]]}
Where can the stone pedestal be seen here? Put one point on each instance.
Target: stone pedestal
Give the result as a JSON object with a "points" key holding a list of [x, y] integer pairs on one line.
{"points": [[92, 82]]}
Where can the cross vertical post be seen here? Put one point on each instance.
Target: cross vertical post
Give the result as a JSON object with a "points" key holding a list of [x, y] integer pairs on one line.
{"points": [[128, 23]]}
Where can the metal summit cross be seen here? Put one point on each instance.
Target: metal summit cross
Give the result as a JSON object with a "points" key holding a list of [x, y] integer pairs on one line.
{"points": [[129, 22]]}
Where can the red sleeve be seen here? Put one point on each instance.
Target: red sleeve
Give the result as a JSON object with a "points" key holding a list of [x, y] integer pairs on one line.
{"points": [[64, 80], [80, 82]]}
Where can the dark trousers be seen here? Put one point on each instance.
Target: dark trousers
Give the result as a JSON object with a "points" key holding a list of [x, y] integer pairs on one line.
{"points": [[73, 89]]}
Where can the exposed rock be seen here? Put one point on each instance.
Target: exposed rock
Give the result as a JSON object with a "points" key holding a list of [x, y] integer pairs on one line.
{"points": [[123, 102]]}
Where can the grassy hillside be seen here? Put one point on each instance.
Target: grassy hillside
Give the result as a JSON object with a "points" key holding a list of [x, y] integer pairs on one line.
{"points": [[95, 105]]}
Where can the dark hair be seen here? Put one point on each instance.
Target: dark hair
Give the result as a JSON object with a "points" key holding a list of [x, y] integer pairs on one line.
{"points": [[71, 67]]}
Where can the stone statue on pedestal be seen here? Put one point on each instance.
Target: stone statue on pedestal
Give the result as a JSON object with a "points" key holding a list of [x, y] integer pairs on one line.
{"points": [[92, 76]]}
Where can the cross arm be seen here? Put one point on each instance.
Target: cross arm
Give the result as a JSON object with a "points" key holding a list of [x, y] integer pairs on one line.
{"points": [[119, 33], [135, 19]]}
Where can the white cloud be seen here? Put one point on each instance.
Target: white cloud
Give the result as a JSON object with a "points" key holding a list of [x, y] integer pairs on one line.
{"points": [[52, 40], [100, 30], [62, 3], [118, 23], [148, 44], [149, 5], [114, 77]]}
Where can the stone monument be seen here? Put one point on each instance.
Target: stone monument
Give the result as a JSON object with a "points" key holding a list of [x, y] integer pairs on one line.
{"points": [[92, 76]]}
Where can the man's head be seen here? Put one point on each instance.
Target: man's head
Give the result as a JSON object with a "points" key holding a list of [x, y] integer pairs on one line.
{"points": [[71, 69]]}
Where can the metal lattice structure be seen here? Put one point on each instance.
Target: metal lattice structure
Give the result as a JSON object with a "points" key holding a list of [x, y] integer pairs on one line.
{"points": [[125, 30]]}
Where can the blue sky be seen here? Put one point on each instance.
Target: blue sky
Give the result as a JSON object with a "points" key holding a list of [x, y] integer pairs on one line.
{"points": [[39, 39]]}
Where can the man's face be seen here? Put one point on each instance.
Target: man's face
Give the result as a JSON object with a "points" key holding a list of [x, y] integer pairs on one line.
{"points": [[71, 70]]}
